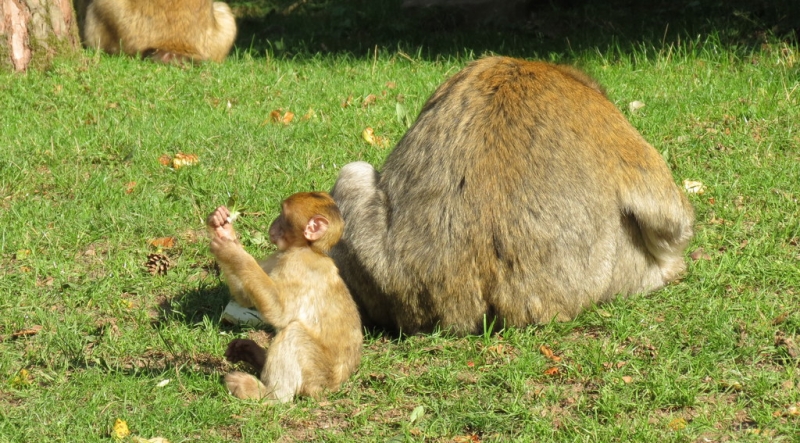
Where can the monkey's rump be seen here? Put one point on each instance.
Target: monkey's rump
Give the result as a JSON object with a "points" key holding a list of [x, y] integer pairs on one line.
{"points": [[520, 193]]}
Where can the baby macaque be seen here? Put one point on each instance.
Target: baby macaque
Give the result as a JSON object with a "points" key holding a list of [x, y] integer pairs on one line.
{"points": [[299, 292], [164, 30], [520, 195]]}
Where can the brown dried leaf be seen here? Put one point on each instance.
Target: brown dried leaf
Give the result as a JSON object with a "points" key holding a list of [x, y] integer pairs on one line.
{"points": [[27, 332], [368, 100], [391, 85], [129, 187], [165, 160], [548, 353], [699, 254], [287, 117], [162, 242], [348, 101], [552, 371], [627, 379], [780, 319], [781, 340], [471, 438]]}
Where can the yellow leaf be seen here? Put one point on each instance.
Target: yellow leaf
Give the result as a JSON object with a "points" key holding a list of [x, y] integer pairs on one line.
{"points": [[180, 160], [309, 115], [120, 429], [23, 378], [368, 134], [677, 424]]}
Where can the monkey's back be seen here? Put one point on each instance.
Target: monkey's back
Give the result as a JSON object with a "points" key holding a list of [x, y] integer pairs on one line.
{"points": [[511, 196], [199, 29]]}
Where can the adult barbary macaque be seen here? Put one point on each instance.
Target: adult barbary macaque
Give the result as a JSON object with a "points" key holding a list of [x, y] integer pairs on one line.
{"points": [[163, 30], [521, 194], [299, 292]]}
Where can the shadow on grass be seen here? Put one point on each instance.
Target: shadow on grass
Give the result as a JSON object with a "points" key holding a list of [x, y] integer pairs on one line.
{"points": [[193, 307], [527, 28]]}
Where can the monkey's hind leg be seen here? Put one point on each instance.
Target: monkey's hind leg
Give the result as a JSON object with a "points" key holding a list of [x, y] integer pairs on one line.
{"points": [[247, 351], [245, 386], [283, 371]]}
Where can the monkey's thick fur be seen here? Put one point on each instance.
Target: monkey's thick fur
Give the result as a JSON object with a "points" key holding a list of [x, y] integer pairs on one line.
{"points": [[521, 193], [164, 30]]}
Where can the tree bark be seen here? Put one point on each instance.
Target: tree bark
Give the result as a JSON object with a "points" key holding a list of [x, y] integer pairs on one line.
{"points": [[32, 32]]}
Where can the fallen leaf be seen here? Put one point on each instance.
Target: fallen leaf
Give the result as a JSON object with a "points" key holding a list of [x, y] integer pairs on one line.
{"points": [[135, 439], [368, 134], [163, 383], [678, 424], [309, 115], [22, 379], [603, 313], [780, 319], [470, 364], [552, 371], [627, 379], [781, 340], [548, 353], [277, 117], [635, 105], [699, 254], [27, 332], [163, 242], [180, 160], [22, 254], [165, 160], [694, 187], [416, 414], [120, 429], [391, 85], [45, 282], [368, 100], [129, 187], [762, 432], [471, 438], [348, 101]]}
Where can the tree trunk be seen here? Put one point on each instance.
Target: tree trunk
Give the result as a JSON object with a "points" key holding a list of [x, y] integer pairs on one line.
{"points": [[33, 31]]}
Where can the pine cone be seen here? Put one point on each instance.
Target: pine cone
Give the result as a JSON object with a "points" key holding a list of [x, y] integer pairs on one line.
{"points": [[157, 264]]}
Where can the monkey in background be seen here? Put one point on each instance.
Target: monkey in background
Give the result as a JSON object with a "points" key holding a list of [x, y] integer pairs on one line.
{"points": [[299, 292], [520, 195], [163, 30]]}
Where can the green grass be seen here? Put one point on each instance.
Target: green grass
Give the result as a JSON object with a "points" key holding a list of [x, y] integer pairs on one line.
{"points": [[82, 192]]}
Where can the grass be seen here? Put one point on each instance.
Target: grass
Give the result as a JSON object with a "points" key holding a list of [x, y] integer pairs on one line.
{"points": [[82, 193]]}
